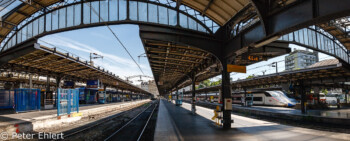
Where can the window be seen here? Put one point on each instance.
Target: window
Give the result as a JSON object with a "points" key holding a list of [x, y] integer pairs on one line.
{"points": [[257, 99], [267, 94]]}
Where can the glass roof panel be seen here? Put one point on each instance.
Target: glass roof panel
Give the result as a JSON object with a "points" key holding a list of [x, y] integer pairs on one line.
{"points": [[8, 5]]}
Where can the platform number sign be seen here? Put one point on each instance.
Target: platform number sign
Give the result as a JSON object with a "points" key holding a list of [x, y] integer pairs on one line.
{"points": [[253, 58]]}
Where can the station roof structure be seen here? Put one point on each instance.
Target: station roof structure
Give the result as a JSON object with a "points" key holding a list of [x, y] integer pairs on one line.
{"points": [[325, 73], [172, 63], [19, 78], [247, 26], [220, 11], [44, 61]]}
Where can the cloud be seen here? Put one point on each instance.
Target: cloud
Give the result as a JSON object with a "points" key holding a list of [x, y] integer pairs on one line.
{"points": [[118, 65]]}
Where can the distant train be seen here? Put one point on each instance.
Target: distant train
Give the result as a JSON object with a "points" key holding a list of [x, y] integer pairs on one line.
{"points": [[271, 98]]}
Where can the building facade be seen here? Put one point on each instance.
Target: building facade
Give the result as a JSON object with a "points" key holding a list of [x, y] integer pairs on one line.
{"points": [[300, 59], [150, 86]]}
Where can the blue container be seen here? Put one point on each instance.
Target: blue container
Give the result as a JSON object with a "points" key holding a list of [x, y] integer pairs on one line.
{"points": [[7, 99], [27, 99]]}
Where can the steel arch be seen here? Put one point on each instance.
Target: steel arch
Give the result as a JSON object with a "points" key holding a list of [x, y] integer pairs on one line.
{"points": [[112, 12]]}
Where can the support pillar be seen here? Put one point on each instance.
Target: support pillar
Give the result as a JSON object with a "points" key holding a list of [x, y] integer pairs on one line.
{"points": [[206, 96], [302, 93], [177, 94], [48, 83], [58, 81], [244, 101], [226, 97], [30, 81], [193, 109], [47, 92], [317, 93], [346, 95], [122, 97]]}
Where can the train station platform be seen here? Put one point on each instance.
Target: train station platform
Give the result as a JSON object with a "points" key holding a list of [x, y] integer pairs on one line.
{"points": [[37, 120], [329, 116], [177, 123]]}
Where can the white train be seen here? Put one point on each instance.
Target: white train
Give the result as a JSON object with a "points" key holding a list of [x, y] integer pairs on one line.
{"points": [[272, 98], [269, 97]]}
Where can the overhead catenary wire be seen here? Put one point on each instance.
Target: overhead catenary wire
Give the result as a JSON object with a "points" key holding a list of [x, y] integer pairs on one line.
{"points": [[120, 42]]}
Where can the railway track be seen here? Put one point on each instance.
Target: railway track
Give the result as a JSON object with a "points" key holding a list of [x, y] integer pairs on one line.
{"points": [[136, 128], [104, 128], [95, 124]]}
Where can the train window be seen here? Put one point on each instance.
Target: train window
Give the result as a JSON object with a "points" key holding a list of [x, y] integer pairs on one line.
{"points": [[267, 94], [257, 99], [248, 98]]}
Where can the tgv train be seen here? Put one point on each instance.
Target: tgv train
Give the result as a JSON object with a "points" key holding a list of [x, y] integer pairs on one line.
{"points": [[271, 98]]}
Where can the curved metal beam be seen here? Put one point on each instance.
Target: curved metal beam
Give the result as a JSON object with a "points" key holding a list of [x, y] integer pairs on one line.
{"points": [[291, 18], [127, 20]]}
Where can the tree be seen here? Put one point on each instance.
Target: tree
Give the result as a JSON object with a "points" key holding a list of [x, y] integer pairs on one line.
{"points": [[250, 76], [325, 91]]}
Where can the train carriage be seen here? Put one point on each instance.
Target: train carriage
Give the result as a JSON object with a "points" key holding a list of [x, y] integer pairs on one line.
{"points": [[265, 97]]}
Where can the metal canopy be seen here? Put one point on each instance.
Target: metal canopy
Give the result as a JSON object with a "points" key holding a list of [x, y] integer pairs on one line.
{"points": [[325, 73], [173, 63], [340, 29], [21, 78], [46, 61], [170, 62]]}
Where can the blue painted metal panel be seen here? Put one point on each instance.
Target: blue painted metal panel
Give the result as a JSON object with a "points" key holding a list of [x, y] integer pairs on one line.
{"points": [[27, 99], [68, 101]]}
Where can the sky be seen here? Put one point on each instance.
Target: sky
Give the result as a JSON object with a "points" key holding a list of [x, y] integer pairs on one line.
{"points": [[100, 40]]}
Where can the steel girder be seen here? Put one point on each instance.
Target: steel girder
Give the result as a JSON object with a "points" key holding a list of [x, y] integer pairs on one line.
{"points": [[295, 16]]}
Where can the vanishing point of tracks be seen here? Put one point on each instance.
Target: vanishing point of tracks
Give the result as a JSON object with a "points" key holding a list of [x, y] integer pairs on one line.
{"points": [[136, 127]]}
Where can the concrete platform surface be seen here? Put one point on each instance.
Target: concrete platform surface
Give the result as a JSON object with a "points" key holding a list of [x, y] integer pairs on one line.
{"points": [[177, 123], [329, 113], [33, 120]]}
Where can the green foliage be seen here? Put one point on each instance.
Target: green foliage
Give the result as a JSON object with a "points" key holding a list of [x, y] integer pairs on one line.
{"points": [[208, 83], [325, 91], [250, 76]]}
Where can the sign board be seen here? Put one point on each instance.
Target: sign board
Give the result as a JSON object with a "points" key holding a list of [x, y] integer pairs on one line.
{"points": [[92, 84], [253, 58], [68, 84], [236, 68]]}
